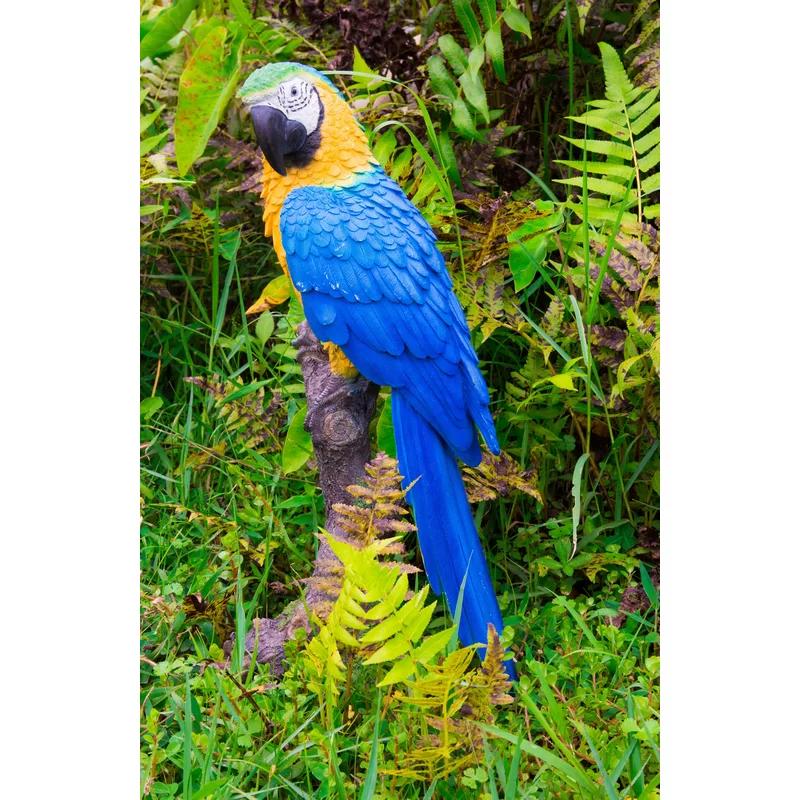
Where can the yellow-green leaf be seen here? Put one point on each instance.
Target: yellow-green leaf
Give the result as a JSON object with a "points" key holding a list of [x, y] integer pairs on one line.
{"points": [[297, 446], [206, 85]]}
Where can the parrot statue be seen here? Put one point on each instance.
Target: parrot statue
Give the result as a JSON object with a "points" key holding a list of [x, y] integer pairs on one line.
{"points": [[376, 292]]}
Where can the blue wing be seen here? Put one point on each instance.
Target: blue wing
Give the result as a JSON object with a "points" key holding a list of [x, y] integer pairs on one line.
{"points": [[374, 283]]}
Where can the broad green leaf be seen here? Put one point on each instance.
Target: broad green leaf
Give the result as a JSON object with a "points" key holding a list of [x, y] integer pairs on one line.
{"points": [[265, 327], [494, 47], [469, 22], [241, 12], [297, 447], [525, 259], [360, 65], [475, 61], [462, 120], [488, 11], [206, 85], [516, 20], [531, 226], [562, 381], [453, 52], [166, 25], [449, 157], [475, 94], [441, 80], [383, 147], [150, 405]]}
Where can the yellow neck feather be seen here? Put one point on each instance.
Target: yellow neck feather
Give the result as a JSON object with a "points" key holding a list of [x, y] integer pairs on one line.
{"points": [[343, 151]]}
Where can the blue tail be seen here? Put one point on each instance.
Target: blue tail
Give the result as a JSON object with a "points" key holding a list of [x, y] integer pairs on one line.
{"points": [[445, 528]]}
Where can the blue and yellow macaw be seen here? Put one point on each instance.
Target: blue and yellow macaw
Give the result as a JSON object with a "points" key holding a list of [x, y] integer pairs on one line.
{"points": [[375, 289]]}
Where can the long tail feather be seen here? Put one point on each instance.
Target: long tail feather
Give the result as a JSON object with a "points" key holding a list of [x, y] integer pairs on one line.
{"points": [[447, 536]]}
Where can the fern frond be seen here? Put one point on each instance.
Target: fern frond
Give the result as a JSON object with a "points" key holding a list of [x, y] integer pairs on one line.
{"points": [[499, 475], [250, 420], [626, 116]]}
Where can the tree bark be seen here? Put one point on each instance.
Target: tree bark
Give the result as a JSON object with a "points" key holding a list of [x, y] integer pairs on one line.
{"points": [[338, 418]]}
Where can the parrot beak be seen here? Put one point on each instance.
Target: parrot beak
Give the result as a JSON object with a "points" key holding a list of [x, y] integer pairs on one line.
{"points": [[277, 135]]}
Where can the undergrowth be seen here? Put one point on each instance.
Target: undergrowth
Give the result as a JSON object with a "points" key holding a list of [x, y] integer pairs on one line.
{"points": [[527, 134]]}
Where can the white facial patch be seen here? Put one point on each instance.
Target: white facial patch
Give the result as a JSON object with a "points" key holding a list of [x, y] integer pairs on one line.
{"points": [[299, 100]]}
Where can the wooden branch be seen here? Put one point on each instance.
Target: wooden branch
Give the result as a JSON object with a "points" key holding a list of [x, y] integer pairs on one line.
{"points": [[338, 418]]}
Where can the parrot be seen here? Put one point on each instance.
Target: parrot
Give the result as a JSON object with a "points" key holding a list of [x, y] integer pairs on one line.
{"points": [[376, 292]]}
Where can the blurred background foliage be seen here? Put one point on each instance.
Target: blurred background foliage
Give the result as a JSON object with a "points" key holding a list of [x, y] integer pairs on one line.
{"points": [[527, 134]]}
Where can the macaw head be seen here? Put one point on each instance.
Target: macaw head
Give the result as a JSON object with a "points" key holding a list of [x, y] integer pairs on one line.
{"points": [[294, 109]]}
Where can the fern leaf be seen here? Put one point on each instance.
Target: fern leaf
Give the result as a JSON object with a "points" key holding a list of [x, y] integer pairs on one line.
{"points": [[618, 85], [602, 147]]}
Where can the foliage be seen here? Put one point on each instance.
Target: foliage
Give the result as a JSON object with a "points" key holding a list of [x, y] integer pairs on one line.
{"points": [[545, 202]]}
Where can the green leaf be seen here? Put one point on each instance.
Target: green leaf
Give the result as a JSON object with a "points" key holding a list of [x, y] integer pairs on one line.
{"points": [[166, 25], [536, 225], [391, 651], [148, 145], [384, 146], [297, 446], [385, 429], [399, 672], [206, 85], [441, 79], [651, 184], [577, 476], [265, 327], [601, 168], [432, 645], [475, 61], [462, 120], [488, 11], [475, 94], [149, 406], [603, 147], [516, 20], [454, 53], [371, 778], [647, 141], [494, 47], [525, 259], [614, 190], [562, 381], [618, 85], [642, 122], [469, 22], [241, 12]]}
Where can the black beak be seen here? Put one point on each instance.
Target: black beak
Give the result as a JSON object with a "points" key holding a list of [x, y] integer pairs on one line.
{"points": [[277, 135]]}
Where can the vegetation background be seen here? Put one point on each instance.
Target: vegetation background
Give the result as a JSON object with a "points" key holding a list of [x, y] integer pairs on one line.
{"points": [[528, 136]]}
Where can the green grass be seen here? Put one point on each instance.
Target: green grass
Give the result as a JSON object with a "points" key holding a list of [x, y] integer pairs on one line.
{"points": [[228, 534]]}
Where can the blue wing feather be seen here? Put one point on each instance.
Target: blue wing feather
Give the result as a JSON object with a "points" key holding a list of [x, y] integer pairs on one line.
{"points": [[374, 283]]}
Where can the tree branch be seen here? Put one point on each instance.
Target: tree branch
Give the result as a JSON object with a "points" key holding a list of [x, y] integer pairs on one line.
{"points": [[338, 417]]}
